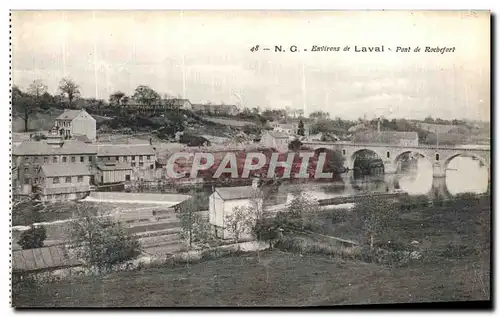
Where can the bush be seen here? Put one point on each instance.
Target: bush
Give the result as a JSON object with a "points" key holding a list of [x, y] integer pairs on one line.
{"points": [[102, 243], [33, 238]]}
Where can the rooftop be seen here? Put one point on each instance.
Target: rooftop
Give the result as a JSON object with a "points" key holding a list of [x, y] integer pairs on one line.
{"points": [[113, 166], [60, 170], [387, 137], [43, 148], [69, 114], [232, 193], [124, 150], [278, 135]]}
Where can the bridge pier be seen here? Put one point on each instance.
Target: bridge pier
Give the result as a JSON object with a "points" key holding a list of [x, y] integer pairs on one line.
{"points": [[347, 179], [390, 176], [439, 190]]}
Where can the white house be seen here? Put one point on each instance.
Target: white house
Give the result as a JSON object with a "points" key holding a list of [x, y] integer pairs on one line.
{"points": [[222, 204], [291, 128], [73, 123], [277, 140]]}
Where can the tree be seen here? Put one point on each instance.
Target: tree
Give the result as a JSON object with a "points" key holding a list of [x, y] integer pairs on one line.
{"points": [[100, 241], [299, 113], [299, 208], [300, 130], [23, 105], [33, 237], [319, 115], [144, 95], [373, 215], [26, 212], [194, 227], [238, 222], [69, 89], [37, 89], [116, 98]]}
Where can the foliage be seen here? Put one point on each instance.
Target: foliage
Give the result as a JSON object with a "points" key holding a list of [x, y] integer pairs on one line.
{"points": [[69, 89], [294, 145], [145, 95], [33, 237], [373, 214], [101, 242], [239, 222], [300, 129], [194, 227], [116, 98]]}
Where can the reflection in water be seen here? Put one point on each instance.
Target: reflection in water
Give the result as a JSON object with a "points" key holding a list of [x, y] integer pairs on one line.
{"points": [[466, 174]]}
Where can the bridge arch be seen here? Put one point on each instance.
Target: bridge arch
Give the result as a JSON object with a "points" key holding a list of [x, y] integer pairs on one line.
{"points": [[466, 154], [399, 154], [353, 156]]}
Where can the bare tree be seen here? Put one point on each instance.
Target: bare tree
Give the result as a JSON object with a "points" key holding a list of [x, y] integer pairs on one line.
{"points": [[69, 89], [37, 89]]}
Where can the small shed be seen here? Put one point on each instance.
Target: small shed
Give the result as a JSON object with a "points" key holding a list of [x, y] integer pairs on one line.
{"points": [[223, 202]]}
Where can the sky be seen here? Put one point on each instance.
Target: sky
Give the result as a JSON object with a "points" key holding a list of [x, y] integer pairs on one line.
{"points": [[205, 56]]}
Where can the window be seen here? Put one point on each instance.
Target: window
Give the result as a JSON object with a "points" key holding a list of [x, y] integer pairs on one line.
{"points": [[109, 158], [141, 164], [80, 179], [125, 158], [68, 179], [54, 159], [127, 177], [117, 158], [64, 159], [437, 156], [55, 180], [26, 181], [343, 152], [151, 166], [133, 164], [26, 170], [82, 159], [46, 159], [388, 154], [73, 159], [133, 158], [148, 157], [35, 159], [141, 158], [90, 158], [27, 159]]}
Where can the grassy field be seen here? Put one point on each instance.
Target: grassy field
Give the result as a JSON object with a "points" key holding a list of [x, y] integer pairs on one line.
{"points": [[448, 273], [291, 280]]}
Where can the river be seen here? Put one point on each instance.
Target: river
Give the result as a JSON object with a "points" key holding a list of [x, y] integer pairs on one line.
{"points": [[464, 174]]}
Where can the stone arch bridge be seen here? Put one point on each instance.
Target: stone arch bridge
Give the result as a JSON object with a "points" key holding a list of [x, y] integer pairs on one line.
{"points": [[390, 154]]}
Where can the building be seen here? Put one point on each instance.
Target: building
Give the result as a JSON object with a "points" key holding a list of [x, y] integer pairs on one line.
{"points": [[222, 204], [388, 137], [61, 182], [29, 156], [72, 123], [228, 110], [179, 104], [291, 128], [140, 158], [437, 128], [276, 140], [113, 173]]}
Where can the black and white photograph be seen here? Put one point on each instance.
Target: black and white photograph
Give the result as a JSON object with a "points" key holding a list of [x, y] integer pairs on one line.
{"points": [[237, 158]]}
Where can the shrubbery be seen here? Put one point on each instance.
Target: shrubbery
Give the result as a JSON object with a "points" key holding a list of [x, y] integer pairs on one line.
{"points": [[33, 237]]}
